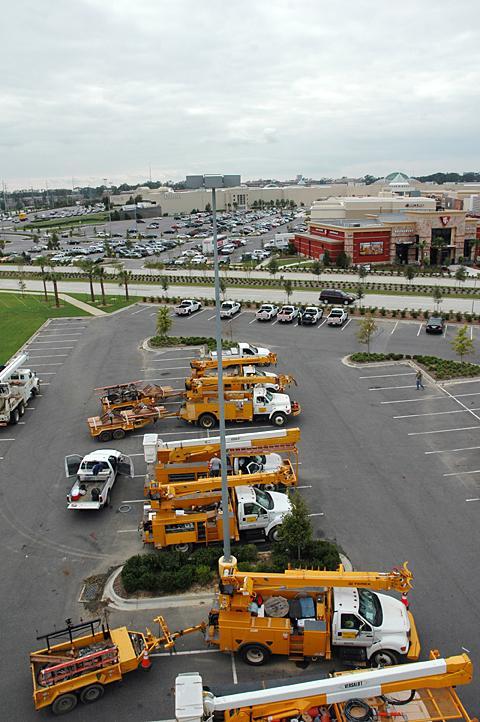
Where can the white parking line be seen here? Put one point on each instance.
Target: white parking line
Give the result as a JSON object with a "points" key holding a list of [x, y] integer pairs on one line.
{"points": [[175, 358], [445, 331], [344, 327], [234, 668], [318, 513], [394, 328], [408, 401], [197, 431], [388, 388], [127, 531], [276, 321], [42, 363], [30, 408], [7, 439], [471, 333], [165, 368], [134, 501], [443, 431], [304, 486], [58, 335], [48, 373], [166, 378], [477, 498], [387, 376], [52, 355], [419, 329], [252, 321], [323, 323], [461, 396], [185, 652], [460, 473], [455, 398], [210, 317], [451, 451], [52, 348], [66, 340], [140, 310], [432, 413], [454, 382]]}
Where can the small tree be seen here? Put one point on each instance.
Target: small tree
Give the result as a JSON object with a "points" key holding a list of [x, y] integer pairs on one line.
{"points": [[22, 285], [366, 330], [88, 266], [35, 238], [292, 249], [461, 344], [164, 284], [164, 321], [437, 297], [317, 269], [42, 261], [461, 275], [223, 287], [360, 293], [296, 531], [343, 260], [272, 267], [124, 277], [99, 274], [288, 288], [326, 258], [409, 273], [208, 208], [53, 279], [362, 272]]}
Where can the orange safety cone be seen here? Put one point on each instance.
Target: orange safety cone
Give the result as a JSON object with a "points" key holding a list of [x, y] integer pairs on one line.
{"points": [[146, 662]]}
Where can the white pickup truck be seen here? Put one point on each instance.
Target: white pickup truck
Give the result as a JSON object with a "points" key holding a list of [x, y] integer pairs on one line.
{"points": [[337, 316], [241, 350], [187, 307], [287, 314], [266, 312], [95, 474]]}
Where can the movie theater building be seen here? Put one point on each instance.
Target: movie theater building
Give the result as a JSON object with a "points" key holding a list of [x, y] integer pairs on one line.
{"points": [[440, 236]]}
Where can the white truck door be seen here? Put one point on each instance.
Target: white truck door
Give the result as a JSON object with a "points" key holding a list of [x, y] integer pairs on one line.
{"points": [[349, 630], [72, 464], [125, 466], [252, 516]]}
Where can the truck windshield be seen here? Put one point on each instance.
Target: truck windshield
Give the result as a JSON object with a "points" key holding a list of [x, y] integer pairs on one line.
{"points": [[253, 348], [369, 607], [269, 396], [264, 498]]}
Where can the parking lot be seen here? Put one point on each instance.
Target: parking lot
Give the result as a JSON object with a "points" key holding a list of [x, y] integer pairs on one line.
{"points": [[390, 472]]}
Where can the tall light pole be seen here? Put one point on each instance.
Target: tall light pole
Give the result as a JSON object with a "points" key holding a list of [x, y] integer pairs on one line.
{"points": [[213, 182]]}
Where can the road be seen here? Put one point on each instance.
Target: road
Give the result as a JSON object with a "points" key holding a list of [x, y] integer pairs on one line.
{"points": [[391, 474]]}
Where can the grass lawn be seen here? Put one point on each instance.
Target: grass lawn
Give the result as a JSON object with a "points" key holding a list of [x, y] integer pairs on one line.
{"points": [[114, 302], [72, 221], [21, 316]]}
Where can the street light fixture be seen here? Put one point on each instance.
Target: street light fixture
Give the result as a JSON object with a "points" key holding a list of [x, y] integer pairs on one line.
{"points": [[212, 182]]}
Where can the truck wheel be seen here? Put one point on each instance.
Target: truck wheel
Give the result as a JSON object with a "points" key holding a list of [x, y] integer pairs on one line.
{"points": [[384, 658], [91, 693], [35, 390], [278, 419], [14, 416], [105, 436], [254, 654], [21, 409], [108, 500], [118, 434], [274, 534], [182, 548], [207, 421], [64, 704]]}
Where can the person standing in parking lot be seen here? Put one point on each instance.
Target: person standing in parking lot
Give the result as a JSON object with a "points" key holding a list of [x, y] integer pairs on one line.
{"points": [[419, 378]]}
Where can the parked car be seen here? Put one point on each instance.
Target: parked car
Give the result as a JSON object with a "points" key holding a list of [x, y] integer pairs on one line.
{"points": [[334, 295], [228, 309], [266, 312], [310, 315], [287, 314], [435, 324], [337, 317], [187, 307]]}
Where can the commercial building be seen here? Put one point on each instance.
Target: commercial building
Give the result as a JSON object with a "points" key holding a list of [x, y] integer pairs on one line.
{"points": [[367, 206], [407, 237]]}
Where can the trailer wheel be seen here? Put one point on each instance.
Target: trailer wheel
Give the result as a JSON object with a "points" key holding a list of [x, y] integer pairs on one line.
{"points": [[14, 416], [182, 548], [254, 654], [64, 704], [105, 436], [91, 694], [207, 421], [21, 409], [384, 658], [118, 434], [278, 419]]}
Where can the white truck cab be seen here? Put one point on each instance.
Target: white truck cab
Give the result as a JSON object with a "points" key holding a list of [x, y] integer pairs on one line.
{"points": [[241, 350], [262, 510], [95, 474], [272, 404], [375, 624]]}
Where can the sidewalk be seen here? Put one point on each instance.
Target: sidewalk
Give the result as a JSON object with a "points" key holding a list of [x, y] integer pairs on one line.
{"points": [[81, 304]]}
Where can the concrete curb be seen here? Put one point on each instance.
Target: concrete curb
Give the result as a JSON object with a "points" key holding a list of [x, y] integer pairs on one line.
{"points": [[373, 364], [138, 605]]}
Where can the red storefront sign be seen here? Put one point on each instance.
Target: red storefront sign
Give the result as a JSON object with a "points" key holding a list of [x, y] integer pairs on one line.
{"points": [[444, 220]]}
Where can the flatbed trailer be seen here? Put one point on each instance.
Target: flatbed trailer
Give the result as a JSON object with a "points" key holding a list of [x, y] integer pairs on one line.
{"points": [[128, 395], [115, 424], [78, 661]]}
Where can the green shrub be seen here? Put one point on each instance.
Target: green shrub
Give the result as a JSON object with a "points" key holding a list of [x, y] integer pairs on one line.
{"points": [[246, 553], [403, 312], [203, 574]]}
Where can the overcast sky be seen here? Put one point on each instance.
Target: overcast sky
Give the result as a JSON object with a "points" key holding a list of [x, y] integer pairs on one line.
{"points": [[93, 89]]}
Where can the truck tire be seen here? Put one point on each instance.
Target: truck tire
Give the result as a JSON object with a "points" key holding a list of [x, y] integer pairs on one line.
{"points": [[207, 421], [278, 418], [64, 704], [384, 658], [21, 409], [254, 654], [183, 548], [14, 416], [92, 693], [273, 534], [108, 500], [118, 434], [36, 390], [105, 436]]}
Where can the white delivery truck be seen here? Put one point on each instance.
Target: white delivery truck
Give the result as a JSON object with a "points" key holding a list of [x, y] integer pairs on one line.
{"points": [[17, 386], [95, 474]]}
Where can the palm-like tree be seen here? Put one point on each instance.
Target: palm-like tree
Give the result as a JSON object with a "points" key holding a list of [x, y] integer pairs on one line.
{"points": [[43, 261], [99, 274], [53, 278], [89, 267], [124, 277]]}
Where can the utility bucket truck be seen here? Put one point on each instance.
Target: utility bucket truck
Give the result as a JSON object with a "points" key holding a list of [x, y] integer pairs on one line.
{"points": [[414, 692], [307, 614], [206, 366], [238, 382], [17, 386]]}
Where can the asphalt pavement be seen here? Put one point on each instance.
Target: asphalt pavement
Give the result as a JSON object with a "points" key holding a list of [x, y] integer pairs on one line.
{"points": [[389, 472]]}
